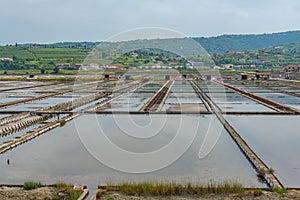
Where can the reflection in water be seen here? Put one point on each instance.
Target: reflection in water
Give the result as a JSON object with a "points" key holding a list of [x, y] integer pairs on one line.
{"points": [[276, 141], [60, 155]]}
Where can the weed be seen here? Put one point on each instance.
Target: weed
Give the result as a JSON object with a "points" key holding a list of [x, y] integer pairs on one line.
{"points": [[62, 122], [257, 192], [156, 188], [63, 186], [73, 194], [271, 170], [281, 191], [30, 185]]}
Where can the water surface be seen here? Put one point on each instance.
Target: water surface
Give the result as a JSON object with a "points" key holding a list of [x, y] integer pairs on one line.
{"points": [[60, 154]]}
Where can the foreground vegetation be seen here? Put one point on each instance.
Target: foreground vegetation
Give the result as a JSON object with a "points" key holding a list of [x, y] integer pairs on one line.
{"points": [[71, 194], [190, 190], [30, 185], [63, 191], [156, 188]]}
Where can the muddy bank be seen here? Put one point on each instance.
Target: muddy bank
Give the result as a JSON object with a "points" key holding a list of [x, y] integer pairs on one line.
{"points": [[41, 193], [18, 193], [248, 195]]}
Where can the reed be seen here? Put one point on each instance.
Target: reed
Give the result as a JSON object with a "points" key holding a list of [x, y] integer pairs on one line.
{"points": [[166, 188]]}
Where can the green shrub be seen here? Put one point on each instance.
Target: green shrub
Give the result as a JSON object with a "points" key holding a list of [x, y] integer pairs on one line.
{"points": [[280, 191], [30, 185]]}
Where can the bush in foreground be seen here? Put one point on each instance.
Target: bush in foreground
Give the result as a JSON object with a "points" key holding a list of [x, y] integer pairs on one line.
{"points": [[30, 185]]}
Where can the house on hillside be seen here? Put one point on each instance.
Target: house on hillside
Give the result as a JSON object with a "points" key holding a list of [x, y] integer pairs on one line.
{"points": [[114, 67], [6, 59], [242, 60], [197, 64], [291, 68], [262, 75]]}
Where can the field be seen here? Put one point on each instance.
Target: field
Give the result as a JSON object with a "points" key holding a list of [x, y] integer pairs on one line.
{"points": [[29, 58]]}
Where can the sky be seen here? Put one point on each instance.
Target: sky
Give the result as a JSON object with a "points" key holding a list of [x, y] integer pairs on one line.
{"points": [[48, 21]]}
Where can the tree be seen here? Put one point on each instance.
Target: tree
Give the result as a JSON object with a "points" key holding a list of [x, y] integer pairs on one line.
{"points": [[56, 70], [42, 71]]}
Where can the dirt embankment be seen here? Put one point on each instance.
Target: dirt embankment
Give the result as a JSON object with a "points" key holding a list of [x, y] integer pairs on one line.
{"points": [[41, 193], [18, 193], [248, 195]]}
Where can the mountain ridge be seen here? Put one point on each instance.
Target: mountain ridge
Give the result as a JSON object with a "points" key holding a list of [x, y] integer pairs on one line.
{"points": [[246, 42], [217, 44]]}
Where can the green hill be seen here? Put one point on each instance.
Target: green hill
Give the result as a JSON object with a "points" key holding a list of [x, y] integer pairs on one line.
{"points": [[217, 44], [226, 43], [26, 58], [46, 56]]}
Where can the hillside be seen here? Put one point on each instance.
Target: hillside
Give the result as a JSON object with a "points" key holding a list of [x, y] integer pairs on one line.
{"points": [[267, 58], [274, 50], [26, 58], [220, 44], [226, 43], [288, 48]]}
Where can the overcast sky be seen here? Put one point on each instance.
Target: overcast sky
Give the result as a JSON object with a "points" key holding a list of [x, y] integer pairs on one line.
{"points": [[44, 21]]}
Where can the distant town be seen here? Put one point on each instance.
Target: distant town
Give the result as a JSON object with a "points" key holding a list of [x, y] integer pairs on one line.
{"points": [[282, 58]]}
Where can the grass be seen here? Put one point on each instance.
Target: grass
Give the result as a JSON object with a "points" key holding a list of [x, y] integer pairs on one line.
{"points": [[271, 170], [30, 185], [51, 78], [62, 122], [280, 191], [157, 79], [18, 78], [156, 188], [139, 78], [63, 186], [257, 192], [33, 58], [73, 194]]}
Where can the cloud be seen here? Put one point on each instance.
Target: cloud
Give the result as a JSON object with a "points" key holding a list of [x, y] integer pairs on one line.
{"points": [[58, 20]]}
